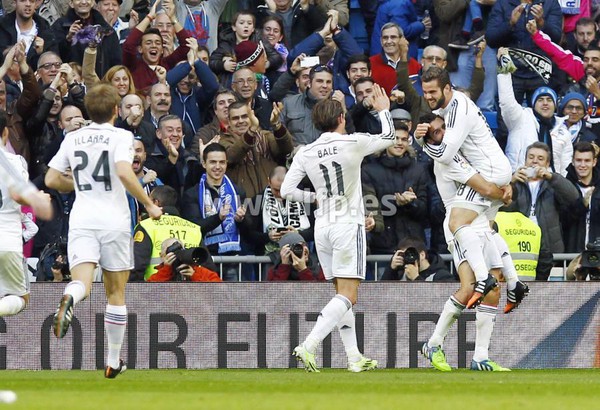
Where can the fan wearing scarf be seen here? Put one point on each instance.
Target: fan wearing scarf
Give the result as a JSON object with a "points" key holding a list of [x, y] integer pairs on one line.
{"points": [[215, 204], [528, 125], [253, 152]]}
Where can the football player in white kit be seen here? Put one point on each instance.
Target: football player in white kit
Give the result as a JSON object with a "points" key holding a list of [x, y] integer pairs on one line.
{"points": [[100, 157], [332, 163], [465, 130], [15, 188], [459, 174]]}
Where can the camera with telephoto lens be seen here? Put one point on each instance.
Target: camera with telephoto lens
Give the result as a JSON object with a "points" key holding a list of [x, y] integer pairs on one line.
{"points": [[297, 249], [411, 255], [190, 256], [590, 260]]}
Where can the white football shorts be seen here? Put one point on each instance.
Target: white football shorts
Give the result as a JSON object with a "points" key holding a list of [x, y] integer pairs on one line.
{"points": [[342, 250], [112, 250]]}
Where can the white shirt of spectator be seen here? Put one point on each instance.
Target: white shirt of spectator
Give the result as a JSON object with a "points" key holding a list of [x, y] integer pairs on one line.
{"points": [[92, 152], [26, 36]]}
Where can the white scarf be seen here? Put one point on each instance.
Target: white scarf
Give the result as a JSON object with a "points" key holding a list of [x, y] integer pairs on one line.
{"points": [[275, 214]]}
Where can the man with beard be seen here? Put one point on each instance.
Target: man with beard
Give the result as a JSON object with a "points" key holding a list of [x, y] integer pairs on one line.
{"points": [[147, 177], [464, 128]]}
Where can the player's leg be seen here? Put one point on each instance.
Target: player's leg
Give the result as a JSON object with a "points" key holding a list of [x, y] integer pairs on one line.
{"points": [[485, 321], [116, 261], [453, 308], [15, 284], [78, 289], [115, 320]]}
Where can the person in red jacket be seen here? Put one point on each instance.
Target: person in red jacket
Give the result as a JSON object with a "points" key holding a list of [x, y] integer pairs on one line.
{"points": [[296, 263], [195, 273]]}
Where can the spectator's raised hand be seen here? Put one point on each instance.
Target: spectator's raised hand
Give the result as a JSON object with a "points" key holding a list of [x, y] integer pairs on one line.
{"points": [[520, 175], [538, 13], [271, 5], [506, 194], [421, 130], [229, 64], [298, 263], [161, 74], [202, 145], [369, 222], [398, 96], [38, 44], [240, 214], [186, 270], [134, 19], [224, 211], [333, 22], [531, 27], [397, 260], [296, 66], [149, 177], [427, 23], [592, 86], [254, 123], [380, 99], [276, 115], [286, 255], [75, 27], [516, 14], [403, 46], [339, 97]]}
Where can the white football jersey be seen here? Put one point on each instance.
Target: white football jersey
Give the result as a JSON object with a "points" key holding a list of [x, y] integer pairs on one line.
{"points": [[333, 164], [10, 211], [468, 132], [92, 152]]}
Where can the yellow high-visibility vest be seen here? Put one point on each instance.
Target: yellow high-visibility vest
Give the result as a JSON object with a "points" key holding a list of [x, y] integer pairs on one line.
{"points": [[524, 238], [168, 226]]}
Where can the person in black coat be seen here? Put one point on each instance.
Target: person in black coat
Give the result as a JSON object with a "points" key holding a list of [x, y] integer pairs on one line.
{"points": [[413, 262], [79, 16], [400, 186]]}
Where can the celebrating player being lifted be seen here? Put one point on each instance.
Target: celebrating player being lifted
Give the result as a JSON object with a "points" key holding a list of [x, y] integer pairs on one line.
{"points": [[100, 157], [332, 164], [465, 130]]}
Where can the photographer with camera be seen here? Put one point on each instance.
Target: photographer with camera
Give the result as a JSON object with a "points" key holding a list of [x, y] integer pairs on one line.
{"points": [[180, 264], [413, 262], [587, 265], [296, 262]]}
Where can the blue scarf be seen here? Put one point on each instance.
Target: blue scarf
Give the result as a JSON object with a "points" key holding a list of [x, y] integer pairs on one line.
{"points": [[226, 235]]}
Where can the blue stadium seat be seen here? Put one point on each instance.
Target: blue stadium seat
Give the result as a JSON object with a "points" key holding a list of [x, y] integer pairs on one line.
{"points": [[492, 119], [357, 26]]}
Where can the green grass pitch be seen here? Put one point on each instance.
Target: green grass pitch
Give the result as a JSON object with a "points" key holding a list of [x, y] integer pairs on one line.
{"points": [[295, 389]]}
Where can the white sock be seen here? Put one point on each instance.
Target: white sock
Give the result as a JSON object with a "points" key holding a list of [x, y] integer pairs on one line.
{"points": [[115, 321], [329, 317], [11, 305], [508, 267], [469, 244], [486, 317], [452, 310], [347, 328], [76, 289]]}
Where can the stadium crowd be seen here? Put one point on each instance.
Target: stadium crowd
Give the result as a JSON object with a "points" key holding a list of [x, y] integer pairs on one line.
{"points": [[219, 96]]}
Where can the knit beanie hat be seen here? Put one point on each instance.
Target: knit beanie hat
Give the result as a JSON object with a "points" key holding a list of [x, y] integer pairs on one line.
{"points": [[544, 91], [570, 97], [247, 52]]}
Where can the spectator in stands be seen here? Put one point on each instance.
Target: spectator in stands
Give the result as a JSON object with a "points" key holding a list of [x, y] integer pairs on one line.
{"points": [[68, 29], [573, 107], [244, 83], [203, 272], [364, 118], [585, 33], [506, 28], [110, 10], [223, 99], [150, 43], [400, 186], [193, 87], [297, 109], [163, 23], [118, 75], [586, 72], [385, 63], [357, 66], [20, 110], [174, 165], [295, 262], [131, 118], [585, 271], [404, 14], [201, 19], [147, 177], [215, 203], [25, 24], [293, 82], [581, 223], [277, 216], [150, 234], [273, 33], [47, 67], [543, 195], [300, 18], [253, 55], [526, 125], [253, 152], [334, 46], [225, 59], [413, 262]]}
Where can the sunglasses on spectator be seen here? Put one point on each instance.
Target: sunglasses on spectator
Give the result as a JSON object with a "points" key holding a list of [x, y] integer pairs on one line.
{"points": [[48, 66], [321, 68]]}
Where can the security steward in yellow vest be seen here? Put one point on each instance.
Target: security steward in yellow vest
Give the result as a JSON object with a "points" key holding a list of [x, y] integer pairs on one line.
{"points": [[149, 235], [524, 240]]}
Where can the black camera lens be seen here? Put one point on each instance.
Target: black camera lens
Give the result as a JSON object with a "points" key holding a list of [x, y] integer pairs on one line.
{"points": [[411, 255], [297, 249]]}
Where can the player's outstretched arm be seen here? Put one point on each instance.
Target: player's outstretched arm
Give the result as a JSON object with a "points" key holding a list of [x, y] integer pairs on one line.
{"points": [[132, 185], [485, 188], [59, 181]]}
